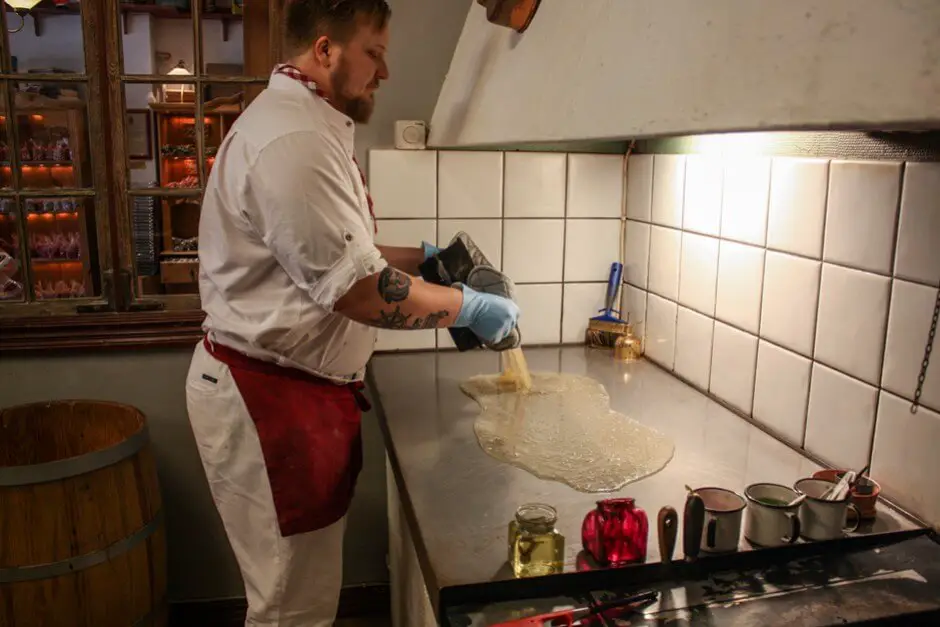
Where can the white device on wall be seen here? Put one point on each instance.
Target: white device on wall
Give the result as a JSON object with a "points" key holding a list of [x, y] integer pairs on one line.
{"points": [[411, 135]]}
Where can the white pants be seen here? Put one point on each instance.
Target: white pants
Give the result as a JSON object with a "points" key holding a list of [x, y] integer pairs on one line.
{"points": [[289, 582]]}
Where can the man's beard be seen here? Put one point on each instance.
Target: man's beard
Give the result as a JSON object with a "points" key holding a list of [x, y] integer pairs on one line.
{"points": [[358, 108]]}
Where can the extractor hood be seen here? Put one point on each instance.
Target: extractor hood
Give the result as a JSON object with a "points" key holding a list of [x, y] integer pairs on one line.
{"points": [[617, 69]]}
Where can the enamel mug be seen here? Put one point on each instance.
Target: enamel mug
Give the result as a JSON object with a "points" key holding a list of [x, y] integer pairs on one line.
{"points": [[723, 513], [769, 521], [823, 520]]}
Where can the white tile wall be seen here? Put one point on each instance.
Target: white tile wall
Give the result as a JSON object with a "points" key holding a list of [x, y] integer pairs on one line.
{"points": [[703, 182], [591, 246], [665, 248], [470, 184], [826, 281], [863, 209], [792, 289], [595, 186], [841, 418], [694, 346], [853, 307], [698, 273], [781, 391], [918, 257], [668, 189], [403, 183], [582, 301], [798, 206], [734, 359], [535, 185], [533, 250], [788, 308]]}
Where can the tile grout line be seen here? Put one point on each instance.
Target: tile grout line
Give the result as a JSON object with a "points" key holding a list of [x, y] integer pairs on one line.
{"points": [[896, 245], [675, 326], [564, 247], [822, 267], [763, 276]]}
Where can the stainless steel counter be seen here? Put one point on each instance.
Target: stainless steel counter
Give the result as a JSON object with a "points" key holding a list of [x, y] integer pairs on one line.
{"points": [[458, 500]]}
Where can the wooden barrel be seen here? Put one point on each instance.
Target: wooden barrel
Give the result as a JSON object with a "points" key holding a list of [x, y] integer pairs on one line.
{"points": [[82, 541]]}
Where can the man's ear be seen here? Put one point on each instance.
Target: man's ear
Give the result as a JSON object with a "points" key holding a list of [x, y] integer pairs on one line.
{"points": [[323, 51]]}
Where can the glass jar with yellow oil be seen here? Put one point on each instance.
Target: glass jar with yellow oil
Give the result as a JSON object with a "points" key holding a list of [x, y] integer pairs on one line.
{"points": [[536, 548]]}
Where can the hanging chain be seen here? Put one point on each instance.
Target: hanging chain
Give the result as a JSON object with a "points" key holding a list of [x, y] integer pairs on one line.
{"points": [[926, 363]]}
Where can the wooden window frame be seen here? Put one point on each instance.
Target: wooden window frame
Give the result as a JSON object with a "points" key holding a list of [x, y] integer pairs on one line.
{"points": [[121, 318]]}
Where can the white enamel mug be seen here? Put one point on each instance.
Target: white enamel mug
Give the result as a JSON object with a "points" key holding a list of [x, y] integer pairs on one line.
{"points": [[724, 510], [769, 521], [823, 520]]}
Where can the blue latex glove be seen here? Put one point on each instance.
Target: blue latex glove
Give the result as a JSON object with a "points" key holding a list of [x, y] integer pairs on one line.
{"points": [[429, 249], [490, 317]]}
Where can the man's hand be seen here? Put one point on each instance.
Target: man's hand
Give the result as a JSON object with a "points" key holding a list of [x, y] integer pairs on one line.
{"points": [[490, 317]]}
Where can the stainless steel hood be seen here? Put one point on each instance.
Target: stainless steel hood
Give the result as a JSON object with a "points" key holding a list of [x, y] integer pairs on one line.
{"points": [[616, 69]]}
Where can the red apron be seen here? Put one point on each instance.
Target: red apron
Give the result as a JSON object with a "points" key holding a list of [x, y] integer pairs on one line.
{"points": [[310, 436]]}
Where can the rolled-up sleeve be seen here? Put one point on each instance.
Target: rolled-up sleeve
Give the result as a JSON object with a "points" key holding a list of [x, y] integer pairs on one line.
{"points": [[301, 200]]}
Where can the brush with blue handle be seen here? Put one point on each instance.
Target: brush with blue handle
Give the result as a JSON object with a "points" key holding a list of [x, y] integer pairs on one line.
{"points": [[603, 330]]}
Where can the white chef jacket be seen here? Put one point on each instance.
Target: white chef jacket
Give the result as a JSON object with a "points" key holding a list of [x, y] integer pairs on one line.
{"points": [[285, 231]]}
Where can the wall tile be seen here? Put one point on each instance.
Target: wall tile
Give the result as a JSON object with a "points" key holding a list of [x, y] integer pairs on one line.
{"points": [[694, 346], [406, 232], [668, 189], [581, 303], [540, 317], [740, 282], [911, 311], [532, 250], [918, 255], [841, 418], [745, 199], [863, 209], [698, 274], [388, 341], [486, 234], [781, 391], [595, 186], [535, 185], [703, 182], [850, 329], [665, 248], [633, 309], [904, 458], [661, 331], [788, 310], [734, 359], [470, 184], [640, 187], [798, 205], [637, 254], [590, 247], [403, 183]]}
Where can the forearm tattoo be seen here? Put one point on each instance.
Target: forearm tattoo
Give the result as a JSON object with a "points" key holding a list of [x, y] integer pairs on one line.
{"points": [[399, 320], [394, 285]]}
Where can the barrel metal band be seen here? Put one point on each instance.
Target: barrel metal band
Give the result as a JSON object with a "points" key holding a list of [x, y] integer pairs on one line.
{"points": [[14, 476], [64, 567]]}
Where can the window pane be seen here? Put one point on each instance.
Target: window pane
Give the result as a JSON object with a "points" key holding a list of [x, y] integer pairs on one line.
{"points": [[52, 132], [223, 38], [61, 242], [11, 273], [156, 37], [50, 40]]}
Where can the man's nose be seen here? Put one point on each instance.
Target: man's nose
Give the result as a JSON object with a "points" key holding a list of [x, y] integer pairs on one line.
{"points": [[383, 72]]}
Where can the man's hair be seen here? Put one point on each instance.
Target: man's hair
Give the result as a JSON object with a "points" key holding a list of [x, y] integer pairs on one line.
{"points": [[308, 20]]}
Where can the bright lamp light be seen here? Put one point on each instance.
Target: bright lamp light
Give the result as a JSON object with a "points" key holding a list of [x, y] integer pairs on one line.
{"points": [[23, 5]]}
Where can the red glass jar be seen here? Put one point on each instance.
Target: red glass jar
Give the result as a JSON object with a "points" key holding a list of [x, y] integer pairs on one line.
{"points": [[616, 532]]}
